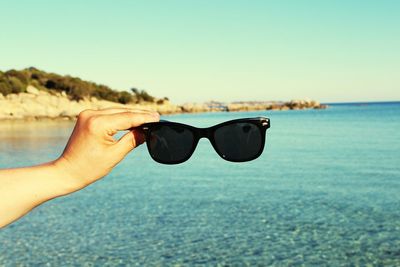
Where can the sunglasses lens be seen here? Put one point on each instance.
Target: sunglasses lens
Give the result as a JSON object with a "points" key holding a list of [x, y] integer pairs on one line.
{"points": [[170, 143], [239, 141]]}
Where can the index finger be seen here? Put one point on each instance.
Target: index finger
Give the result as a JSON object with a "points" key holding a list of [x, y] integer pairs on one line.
{"points": [[127, 120]]}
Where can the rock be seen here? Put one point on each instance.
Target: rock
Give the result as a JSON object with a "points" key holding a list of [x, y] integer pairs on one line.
{"points": [[168, 108], [194, 108], [23, 96], [320, 106], [42, 104], [42, 92], [284, 108], [66, 113], [32, 90], [12, 97]]}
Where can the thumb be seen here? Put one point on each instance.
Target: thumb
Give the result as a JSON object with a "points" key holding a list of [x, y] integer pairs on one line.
{"points": [[130, 140]]}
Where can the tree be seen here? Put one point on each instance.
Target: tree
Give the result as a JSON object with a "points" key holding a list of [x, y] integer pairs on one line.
{"points": [[5, 88], [135, 91], [124, 97], [16, 85]]}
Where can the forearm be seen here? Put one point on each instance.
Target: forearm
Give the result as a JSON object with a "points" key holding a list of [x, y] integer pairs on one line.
{"points": [[23, 189]]}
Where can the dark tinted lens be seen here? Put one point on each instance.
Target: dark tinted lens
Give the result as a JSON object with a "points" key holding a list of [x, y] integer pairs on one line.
{"points": [[170, 143], [238, 141]]}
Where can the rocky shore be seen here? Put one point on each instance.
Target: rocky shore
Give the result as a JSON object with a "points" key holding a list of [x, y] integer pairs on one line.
{"points": [[39, 104]]}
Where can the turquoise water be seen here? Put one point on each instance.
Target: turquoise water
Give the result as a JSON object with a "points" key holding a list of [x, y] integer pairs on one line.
{"points": [[326, 191]]}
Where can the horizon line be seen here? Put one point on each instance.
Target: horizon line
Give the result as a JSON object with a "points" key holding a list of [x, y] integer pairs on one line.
{"points": [[362, 102]]}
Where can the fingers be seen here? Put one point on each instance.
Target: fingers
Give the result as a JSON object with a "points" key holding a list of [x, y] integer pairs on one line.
{"points": [[127, 120], [109, 121], [116, 119], [131, 140], [113, 110]]}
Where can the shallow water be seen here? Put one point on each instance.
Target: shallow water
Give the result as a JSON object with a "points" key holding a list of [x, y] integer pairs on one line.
{"points": [[325, 192]]}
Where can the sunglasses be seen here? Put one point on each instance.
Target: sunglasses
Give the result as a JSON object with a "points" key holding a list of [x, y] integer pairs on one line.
{"points": [[236, 140]]}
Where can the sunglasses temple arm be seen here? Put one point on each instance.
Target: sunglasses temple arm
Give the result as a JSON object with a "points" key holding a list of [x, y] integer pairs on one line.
{"points": [[145, 125]]}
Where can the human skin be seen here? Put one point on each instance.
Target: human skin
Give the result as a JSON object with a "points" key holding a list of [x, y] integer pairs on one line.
{"points": [[90, 154]]}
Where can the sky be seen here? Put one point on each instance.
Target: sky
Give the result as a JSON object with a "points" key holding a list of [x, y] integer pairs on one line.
{"points": [[195, 51]]}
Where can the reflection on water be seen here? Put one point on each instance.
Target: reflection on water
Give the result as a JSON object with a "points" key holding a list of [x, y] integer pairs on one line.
{"points": [[33, 142]]}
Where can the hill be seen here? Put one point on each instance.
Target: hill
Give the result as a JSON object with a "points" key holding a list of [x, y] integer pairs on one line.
{"points": [[16, 81]]}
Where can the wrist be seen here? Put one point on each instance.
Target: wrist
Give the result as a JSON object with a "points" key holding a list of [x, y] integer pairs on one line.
{"points": [[68, 178]]}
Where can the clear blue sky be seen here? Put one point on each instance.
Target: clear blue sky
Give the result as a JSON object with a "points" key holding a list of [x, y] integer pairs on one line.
{"points": [[342, 50]]}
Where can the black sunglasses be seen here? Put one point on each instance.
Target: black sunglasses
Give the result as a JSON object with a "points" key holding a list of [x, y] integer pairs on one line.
{"points": [[236, 140]]}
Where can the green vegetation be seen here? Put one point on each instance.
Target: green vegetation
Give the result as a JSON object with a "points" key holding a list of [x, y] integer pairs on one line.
{"points": [[14, 81], [142, 95]]}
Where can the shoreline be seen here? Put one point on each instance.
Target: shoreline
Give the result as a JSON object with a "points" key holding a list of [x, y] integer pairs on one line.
{"points": [[38, 105]]}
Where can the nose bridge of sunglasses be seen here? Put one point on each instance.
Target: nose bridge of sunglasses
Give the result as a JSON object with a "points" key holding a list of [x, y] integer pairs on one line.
{"points": [[204, 132]]}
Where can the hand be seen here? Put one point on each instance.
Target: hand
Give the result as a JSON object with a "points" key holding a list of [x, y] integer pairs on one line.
{"points": [[90, 154], [92, 151]]}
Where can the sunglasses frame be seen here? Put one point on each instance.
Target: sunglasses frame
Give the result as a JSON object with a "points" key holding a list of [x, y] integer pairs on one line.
{"points": [[262, 124]]}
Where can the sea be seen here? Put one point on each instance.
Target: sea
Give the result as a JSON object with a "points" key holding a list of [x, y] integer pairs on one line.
{"points": [[325, 192]]}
